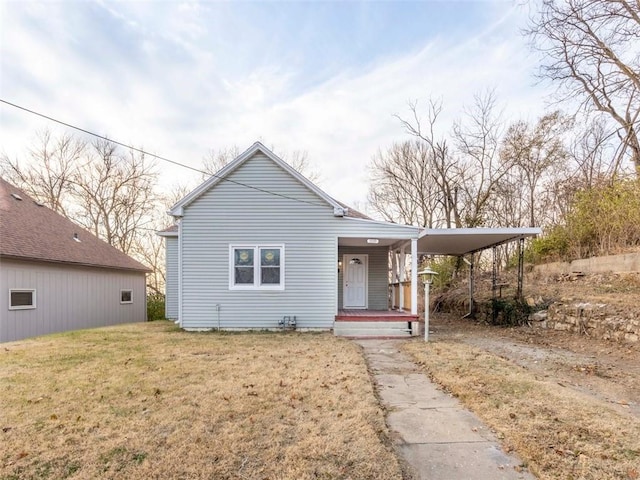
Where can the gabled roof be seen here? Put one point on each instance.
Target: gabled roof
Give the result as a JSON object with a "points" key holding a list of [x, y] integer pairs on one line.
{"points": [[339, 208], [30, 231]]}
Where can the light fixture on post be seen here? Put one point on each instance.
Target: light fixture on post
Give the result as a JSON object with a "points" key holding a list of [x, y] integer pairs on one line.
{"points": [[427, 278]]}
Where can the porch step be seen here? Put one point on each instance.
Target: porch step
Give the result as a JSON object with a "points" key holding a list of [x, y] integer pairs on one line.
{"points": [[377, 317], [360, 328]]}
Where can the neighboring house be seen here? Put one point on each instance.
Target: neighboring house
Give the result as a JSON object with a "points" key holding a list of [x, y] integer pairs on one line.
{"points": [[258, 246], [56, 276]]}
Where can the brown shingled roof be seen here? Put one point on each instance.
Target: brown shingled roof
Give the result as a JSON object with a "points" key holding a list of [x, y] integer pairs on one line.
{"points": [[32, 232], [352, 212], [170, 229]]}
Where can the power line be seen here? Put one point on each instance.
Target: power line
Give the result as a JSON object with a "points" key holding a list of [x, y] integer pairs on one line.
{"points": [[164, 159]]}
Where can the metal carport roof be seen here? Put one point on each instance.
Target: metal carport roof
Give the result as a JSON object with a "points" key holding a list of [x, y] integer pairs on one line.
{"points": [[460, 241]]}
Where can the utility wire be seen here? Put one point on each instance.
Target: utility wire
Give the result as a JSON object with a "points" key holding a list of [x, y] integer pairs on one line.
{"points": [[164, 159]]}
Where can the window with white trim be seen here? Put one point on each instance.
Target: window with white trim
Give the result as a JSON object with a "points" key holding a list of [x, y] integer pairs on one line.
{"points": [[126, 296], [22, 298], [256, 267]]}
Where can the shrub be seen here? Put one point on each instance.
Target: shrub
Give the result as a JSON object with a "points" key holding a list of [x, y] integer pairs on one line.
{"points": [[155, 307], [601, 221]]}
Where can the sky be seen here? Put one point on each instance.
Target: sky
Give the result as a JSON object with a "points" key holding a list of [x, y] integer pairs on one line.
{"points": [[182, 78]]}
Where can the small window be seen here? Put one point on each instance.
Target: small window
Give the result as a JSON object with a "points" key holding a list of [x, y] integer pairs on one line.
{"points": [[256, 267], [126, 296], [22, 299]]}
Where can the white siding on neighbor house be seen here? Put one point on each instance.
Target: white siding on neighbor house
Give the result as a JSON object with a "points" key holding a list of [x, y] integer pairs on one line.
{"points": [[171, 284], [67, 298], [233, 214], [378, 278]]}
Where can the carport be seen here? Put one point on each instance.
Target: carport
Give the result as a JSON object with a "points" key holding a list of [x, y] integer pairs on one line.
{"points": [[465, 242]]}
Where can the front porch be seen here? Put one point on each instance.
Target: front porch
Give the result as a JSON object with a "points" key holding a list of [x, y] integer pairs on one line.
{"points": [[375, 324]]}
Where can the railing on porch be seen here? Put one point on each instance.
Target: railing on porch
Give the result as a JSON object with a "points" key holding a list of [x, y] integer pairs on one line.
{"points": [[394, 295]]}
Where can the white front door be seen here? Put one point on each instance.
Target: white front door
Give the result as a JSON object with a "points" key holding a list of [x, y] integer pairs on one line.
{"points": [[355, 281]]}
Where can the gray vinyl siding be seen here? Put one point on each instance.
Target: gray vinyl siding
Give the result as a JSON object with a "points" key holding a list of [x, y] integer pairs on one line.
{"points": [[229, 214], [67, 298], [171, 279], [378, 276]]}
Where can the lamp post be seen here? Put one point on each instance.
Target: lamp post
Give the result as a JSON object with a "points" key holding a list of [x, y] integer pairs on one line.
{"points": [[427, 278]]}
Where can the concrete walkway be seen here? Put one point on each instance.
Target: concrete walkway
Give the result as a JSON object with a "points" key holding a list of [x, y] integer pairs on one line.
{"points": [[438, 438]]}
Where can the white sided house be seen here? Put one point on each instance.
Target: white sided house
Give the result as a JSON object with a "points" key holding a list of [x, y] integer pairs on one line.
{"points": [[56, 276], [258, 246]]}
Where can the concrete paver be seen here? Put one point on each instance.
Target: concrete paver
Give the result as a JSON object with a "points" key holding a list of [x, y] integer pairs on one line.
{"points": [[437, 437]]}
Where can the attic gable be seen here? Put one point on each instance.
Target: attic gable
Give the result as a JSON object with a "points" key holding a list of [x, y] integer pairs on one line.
{"points": [[223, 175]]}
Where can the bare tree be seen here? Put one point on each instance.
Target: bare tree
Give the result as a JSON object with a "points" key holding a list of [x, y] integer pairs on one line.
{"points": [[54, 162], [477, 137], [149, 248], [454, 188], [215, 160], [594, 156], [114, 194], [443, 170], [533, 151], [591, 50], [403, 188]]}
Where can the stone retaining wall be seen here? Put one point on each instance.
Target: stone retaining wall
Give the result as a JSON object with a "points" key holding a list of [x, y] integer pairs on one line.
{"points": [[628, 262], [597, 320]]}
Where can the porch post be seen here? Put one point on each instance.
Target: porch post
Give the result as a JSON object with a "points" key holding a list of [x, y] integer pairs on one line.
{"points": [[401, 278], [394, 276], [414, 276]]}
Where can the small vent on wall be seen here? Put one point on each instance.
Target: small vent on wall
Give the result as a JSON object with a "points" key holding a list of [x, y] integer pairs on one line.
{"points": [[16, 196], [76, 238]]}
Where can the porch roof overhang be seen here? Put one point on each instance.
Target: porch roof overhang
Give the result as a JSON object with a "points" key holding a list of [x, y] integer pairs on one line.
{"points": [[371, 241], [461, 241]]}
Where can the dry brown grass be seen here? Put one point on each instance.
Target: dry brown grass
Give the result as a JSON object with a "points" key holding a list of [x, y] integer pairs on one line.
{"points": [[150, 401], [559, 433]]}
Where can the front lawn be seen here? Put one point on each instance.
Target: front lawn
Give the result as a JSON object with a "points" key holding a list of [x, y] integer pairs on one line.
{"points": [[149, 401], [559, 432]]}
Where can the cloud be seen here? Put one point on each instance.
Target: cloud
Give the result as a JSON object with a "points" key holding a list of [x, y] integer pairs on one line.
{"points": [[182, 78]]}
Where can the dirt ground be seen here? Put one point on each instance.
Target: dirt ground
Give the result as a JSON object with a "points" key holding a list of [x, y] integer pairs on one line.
{"points": [[607, 371]]}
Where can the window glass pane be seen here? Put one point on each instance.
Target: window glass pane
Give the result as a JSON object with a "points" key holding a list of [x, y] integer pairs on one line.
{"points": [[243, 256], [125, 296], [244, 275], [270, 275], [270, 257], [21, 299]]}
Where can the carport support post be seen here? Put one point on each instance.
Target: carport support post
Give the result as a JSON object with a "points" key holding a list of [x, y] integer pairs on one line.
{"points": [[471, 284], [520, 267], [494, 285], [394, 278], [402, 260], [414, 276], [414, 283]]}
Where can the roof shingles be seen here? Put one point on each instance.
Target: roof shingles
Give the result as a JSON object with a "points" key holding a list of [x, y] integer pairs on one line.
{"points": [[32, 232]]}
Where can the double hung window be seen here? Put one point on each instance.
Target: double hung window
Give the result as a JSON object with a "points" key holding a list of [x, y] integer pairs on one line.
{"points": [[256, 267]]}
